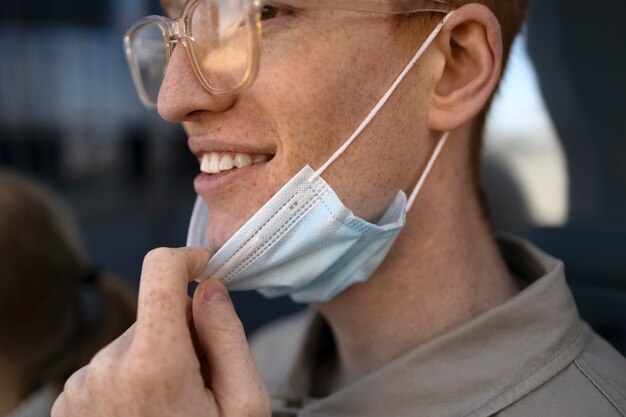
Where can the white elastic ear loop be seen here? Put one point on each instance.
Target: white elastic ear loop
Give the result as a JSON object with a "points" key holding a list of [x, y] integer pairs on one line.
{"points": [[429, 167], [384, 99]]}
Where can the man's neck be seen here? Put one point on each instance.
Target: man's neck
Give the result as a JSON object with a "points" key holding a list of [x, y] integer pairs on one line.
{"points": [[444, 269]]}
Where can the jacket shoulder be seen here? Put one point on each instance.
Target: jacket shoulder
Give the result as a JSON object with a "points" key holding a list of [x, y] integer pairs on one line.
{"points": [[605, 368], [593, 385]]}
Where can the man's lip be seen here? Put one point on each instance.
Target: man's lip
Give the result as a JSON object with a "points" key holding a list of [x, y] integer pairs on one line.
{"points": [[199, 146], [206, 184]]}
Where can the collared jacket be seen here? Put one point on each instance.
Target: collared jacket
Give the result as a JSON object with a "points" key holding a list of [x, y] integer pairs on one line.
{"points": [[531, 356]]}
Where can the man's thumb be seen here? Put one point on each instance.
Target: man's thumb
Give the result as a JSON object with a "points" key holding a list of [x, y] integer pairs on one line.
{"points": [[234, 375]]}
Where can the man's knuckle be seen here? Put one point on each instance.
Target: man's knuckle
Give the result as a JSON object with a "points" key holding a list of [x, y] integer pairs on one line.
{"points": [[58, 406], [73, 392], [75, 381], [102, 358], [158, 254]]}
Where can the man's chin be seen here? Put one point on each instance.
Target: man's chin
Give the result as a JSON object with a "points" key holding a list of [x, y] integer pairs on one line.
{"points": [[213, 246], [221, 229], [215, 241]]}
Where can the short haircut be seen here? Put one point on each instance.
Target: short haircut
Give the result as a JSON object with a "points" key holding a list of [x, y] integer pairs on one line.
{"points": [[511, 15]]}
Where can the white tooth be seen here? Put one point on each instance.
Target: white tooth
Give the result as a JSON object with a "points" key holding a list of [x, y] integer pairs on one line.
{"points": [[204, 165], [260, 158], [214, 164], [242, 160], [227, 163]]}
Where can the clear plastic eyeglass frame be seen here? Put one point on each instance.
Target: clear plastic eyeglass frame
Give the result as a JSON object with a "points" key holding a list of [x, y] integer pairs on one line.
{"points": [[179, 29]]}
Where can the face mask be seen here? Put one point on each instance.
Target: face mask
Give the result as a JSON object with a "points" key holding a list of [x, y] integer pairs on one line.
{"points": [[304, 242]]}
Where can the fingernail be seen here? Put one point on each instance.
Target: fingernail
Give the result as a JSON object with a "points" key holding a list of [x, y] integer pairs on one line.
{"points": [[214, 294]]}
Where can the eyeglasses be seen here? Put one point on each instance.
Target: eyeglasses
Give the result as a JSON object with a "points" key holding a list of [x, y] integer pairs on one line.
{"points": [[223, 39]]}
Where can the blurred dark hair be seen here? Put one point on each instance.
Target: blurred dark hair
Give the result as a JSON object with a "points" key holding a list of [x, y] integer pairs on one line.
{"points": [[49, 325]]}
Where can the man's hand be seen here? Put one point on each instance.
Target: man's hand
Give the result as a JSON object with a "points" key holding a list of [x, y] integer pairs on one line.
{"points": [[168, 364]]}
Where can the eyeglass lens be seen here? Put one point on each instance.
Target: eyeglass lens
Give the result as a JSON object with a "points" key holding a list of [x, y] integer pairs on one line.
{"points": [[218, 39], [150, 58]]}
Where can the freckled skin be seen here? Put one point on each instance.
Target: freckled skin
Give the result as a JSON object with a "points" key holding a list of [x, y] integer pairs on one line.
{"points": [[309, 97], [329, 97], [155, 367], [319, 78]]}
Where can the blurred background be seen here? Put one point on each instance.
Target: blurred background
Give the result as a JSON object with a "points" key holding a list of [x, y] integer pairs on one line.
{"points": [[69, 114]]}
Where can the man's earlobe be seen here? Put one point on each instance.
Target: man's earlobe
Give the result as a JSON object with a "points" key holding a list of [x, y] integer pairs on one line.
{"points": [[471, 47]]}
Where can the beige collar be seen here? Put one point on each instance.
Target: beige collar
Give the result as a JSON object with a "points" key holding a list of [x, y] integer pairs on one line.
{"points": [[477, 369]]}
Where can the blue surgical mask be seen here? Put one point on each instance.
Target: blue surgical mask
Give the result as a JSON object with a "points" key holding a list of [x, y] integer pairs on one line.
{"points": [[304, 242]]}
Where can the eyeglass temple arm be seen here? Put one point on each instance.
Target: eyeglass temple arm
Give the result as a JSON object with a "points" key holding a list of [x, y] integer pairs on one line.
{"points": [[374, 6]]}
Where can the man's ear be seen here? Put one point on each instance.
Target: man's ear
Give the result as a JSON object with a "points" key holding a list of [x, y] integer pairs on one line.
{"points": [[471, 46]]}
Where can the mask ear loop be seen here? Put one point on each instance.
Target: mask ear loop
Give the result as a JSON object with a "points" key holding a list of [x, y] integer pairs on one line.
{"points": [[429, 167], [382, 102]]}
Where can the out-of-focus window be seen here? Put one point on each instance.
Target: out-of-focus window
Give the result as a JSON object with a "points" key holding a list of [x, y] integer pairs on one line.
{"points": [[89, 13], [69, 114], [520, 133]]}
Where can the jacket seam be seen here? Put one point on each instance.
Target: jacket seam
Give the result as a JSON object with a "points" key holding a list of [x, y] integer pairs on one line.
{"points": [[576, 338], [590, 378]]}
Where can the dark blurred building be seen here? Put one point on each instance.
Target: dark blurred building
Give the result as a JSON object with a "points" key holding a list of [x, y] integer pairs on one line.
{"points": [[579, 52], [67, 12], [70, 115]]}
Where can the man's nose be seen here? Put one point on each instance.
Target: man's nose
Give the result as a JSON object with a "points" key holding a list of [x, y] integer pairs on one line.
{"points": [[182, 93]]}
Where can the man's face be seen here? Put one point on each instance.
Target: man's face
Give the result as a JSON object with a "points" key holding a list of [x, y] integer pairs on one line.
{"points": [[321, 73]]}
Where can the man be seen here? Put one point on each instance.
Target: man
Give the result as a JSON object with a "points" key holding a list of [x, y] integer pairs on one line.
{"points": [[449, 322]]}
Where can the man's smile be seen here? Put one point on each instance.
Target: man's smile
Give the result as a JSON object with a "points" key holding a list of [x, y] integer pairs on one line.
{"points": [[222, 163], [218, 162]]}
